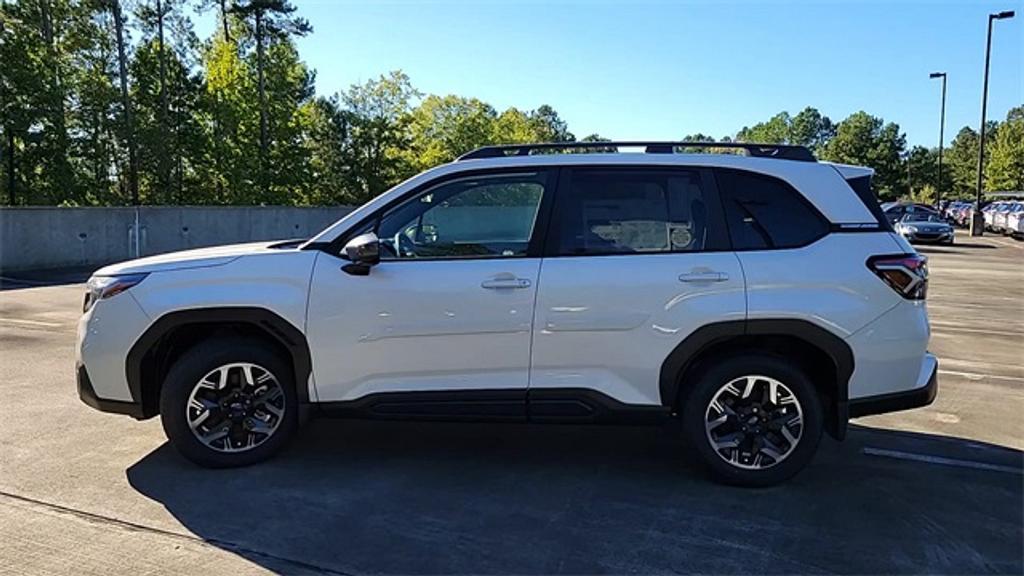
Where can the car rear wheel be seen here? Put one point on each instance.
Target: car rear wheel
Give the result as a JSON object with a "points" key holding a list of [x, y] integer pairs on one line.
{"points": [[229, 402], [754, 420]]}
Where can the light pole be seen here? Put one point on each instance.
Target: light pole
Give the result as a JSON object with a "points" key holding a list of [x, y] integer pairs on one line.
{"points": [[942, 128], [978, 219]]}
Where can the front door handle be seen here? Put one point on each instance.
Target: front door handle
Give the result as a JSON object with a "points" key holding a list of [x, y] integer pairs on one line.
{"points": [[505, 284], [704, 277]]}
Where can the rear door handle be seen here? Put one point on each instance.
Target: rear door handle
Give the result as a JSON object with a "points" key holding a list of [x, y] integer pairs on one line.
{"points": [[704, 277], [506, 284]]}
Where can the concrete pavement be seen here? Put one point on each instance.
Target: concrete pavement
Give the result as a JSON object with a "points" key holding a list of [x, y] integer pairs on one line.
{"points": [[936, 490]]}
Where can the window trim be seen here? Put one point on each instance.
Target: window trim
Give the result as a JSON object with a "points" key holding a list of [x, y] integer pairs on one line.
{"points": [[717, 239], [371, 222], [827, 228]]}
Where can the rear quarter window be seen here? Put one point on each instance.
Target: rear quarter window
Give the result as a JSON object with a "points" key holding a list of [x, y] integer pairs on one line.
{"points": [[765, 213]]}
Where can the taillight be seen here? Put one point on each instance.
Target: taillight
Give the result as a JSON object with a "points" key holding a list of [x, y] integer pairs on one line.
{"points": [[907, 274]]}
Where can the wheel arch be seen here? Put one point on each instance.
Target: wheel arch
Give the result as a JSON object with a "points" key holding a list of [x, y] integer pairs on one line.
{"points": [[173, 333], [827, 358]]}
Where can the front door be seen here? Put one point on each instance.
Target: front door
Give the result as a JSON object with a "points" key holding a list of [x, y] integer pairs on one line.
{"points": [[449, 309]]}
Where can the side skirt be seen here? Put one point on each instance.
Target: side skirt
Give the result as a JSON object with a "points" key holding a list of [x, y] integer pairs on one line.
{"points": [[549, 405]]}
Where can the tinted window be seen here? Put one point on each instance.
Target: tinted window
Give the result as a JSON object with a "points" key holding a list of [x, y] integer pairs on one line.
{"points": [[764, 212], [488, 216], [630, 212]]}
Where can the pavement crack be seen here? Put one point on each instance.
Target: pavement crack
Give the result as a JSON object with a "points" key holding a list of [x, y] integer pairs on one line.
{"points": [[134, 526]]}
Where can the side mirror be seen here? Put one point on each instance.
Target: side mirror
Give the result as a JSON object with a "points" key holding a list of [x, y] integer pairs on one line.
{"points": [[363, 252]]}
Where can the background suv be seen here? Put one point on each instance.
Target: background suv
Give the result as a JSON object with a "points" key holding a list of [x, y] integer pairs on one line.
{"points": [[759, 299]]}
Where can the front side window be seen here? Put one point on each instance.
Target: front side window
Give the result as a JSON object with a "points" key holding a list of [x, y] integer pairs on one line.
{"points": [[489, 216], [632, 212], [766, 213]]}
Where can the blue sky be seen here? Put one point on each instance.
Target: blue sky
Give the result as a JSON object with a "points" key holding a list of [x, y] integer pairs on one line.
{"points": [[661, 70]]}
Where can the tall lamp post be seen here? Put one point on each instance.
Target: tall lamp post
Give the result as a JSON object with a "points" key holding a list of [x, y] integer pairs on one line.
{"points": [[978, 219], [942, 128]]}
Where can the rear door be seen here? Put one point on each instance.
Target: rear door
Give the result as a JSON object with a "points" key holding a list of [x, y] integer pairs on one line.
{"points": [[636, 259]]}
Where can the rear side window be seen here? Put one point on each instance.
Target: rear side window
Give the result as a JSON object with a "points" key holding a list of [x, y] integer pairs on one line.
{"points": [[605, 211], [861, 186], [766, 213]]}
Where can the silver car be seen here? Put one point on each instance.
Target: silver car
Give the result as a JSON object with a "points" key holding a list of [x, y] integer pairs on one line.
{"points": [[925, 227]]}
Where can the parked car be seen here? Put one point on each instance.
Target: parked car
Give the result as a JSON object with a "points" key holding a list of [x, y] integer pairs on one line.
{"points": [[925, 227], [989, 211], [1000, 219], [1015, 221], [895, 211], [760, 300], [958, 212]]}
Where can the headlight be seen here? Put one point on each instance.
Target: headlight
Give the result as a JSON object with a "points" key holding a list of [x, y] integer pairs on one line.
{"points": [[910, 228], [100, 287]]}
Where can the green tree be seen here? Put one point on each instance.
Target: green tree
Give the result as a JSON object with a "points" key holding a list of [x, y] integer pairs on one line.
{"points": [[223, 14], [513, 126], [328, 145], [39, 38], [809, 128], [548, 126], [1005, 170], [379, 115], [443, 128], [961, 160], [924, 194], [289, 93], [774, 131], [172, 140], [921, 166], [232, 119], [94, 121], [273, 21]]}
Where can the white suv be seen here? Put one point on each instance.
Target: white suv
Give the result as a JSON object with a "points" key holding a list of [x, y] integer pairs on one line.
{"points": [[759, 299]]}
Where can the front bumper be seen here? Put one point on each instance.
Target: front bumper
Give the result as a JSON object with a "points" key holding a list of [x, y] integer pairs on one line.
{"points": [[897, 401], [89, 397], [928, 237]]}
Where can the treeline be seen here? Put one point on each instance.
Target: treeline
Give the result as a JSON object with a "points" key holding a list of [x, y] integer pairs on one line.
{"points": [[901, 172], [107, 102]]}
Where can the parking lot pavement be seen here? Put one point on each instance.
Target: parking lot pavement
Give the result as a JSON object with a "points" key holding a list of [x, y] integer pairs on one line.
{"points": [[936, 490]]}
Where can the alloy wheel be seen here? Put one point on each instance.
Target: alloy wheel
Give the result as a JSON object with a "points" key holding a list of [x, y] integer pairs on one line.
{"points": [[754, 422], [235, 407]]}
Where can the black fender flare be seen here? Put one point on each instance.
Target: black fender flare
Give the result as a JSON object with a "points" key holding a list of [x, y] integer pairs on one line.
{"points": [[705, 337], [281, 330]]}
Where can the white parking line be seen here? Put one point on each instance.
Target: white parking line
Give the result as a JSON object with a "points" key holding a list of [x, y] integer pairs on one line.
{"points": [[976, 376], [39, 323], [1010, 242], [942, 460], [942, 327]]}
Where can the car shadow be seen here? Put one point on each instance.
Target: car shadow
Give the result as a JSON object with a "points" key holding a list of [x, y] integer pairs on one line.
{"points": [[430, 498], [958, 248]]}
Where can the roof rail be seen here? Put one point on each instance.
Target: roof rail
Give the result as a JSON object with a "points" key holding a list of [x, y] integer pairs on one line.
{"points": [[779, 151]]}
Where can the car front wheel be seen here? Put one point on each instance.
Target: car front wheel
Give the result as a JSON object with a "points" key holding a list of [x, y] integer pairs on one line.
{"points": [[229, 402], [754, 420]]}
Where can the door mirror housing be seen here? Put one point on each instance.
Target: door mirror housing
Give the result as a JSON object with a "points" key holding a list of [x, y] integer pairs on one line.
{"points": [[363, 252]]}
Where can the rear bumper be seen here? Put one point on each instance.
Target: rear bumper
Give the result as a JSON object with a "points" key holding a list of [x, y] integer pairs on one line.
{"points": [[922, 395], [88, 395]]}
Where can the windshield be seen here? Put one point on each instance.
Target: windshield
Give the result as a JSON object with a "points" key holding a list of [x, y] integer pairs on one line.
{"points": [[922, 217]]}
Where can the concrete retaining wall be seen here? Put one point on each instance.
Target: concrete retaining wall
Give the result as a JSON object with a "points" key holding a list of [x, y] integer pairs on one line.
{"points": [[50, 238]]}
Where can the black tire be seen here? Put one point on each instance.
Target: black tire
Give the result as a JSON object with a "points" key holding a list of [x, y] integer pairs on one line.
{"points": [[716, 374], [193, 366]]}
